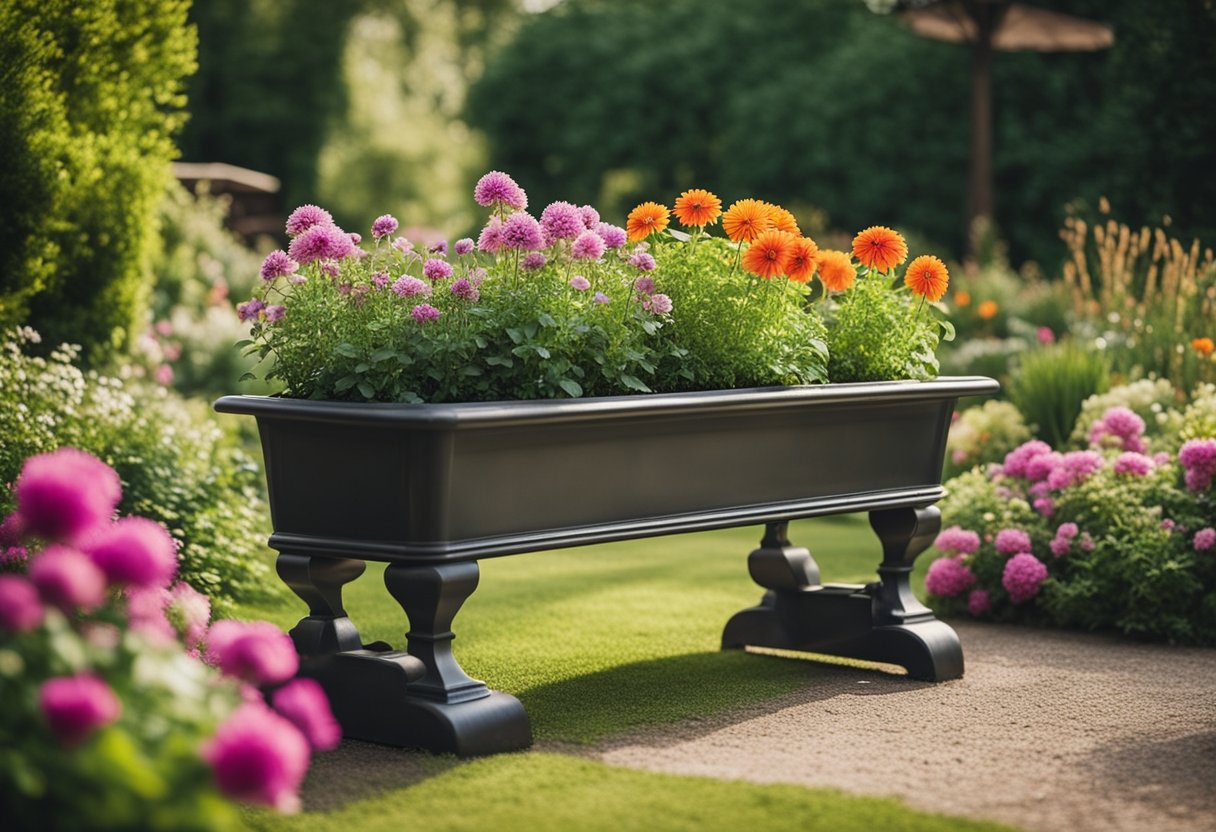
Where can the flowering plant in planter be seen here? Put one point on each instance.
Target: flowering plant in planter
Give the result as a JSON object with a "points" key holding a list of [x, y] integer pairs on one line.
{"points": [[567, 305], [1118, 535], [122, 708]]}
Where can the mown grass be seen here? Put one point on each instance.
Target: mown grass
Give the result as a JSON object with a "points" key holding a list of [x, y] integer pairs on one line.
{"points": [[598, 641]]}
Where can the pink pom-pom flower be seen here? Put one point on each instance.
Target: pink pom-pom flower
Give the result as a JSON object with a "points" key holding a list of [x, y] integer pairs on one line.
{"points": [[133, 551], [979, 602], [1023, 576], [304, 704], [948, 577], [20, 609], [255, 651], [76, 706], [957, 540], [68, 579], [259, 757], [1012, 541], [65, 493]]}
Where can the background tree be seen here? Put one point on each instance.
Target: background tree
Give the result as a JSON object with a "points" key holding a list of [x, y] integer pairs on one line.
{"points": [[90, 96]]}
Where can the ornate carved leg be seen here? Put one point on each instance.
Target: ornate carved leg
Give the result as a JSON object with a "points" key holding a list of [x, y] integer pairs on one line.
{"points": [[445, 710], [319, 581], [881, 621]]}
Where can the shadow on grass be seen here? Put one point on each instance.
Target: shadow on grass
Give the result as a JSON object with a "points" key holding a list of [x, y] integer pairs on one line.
{"points": [[357, 770]]}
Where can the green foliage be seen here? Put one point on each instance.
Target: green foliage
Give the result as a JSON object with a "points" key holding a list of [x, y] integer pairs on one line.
{"points": [[985, 434], [832, 105], [1050, 385], [1129, 561], [176, 465], [90, 95], [731, 328], [877, 334]]}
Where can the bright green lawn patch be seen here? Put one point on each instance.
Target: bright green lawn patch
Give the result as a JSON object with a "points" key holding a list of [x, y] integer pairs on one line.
{"points": [[606, 639], [538, 792]]}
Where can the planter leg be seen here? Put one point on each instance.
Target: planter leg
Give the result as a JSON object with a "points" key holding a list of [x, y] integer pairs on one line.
{"points": [[318, 582], [880, 622], [444, 709]]}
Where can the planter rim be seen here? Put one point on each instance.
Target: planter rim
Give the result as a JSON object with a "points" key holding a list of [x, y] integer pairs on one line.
{"points": [[457, 415]]}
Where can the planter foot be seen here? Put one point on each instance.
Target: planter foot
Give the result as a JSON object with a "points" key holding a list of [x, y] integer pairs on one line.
{"points": [[881, 622]]}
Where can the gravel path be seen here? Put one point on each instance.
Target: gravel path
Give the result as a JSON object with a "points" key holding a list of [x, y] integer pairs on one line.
{"points": [[1046, 731]]}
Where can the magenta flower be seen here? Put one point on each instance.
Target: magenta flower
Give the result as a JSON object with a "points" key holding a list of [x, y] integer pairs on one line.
{"points": [[20, 609], [403, 245], [658, 304], [1119, 427], [321, 242], [477, 275], [1040, 467], [1167, 525], [275, 313], [561, 221], [601, 298], [1074, 467], [134, 551], [1205, 539], [306, 217], [163, 375], [424, 313], [1045, 506], [440, 247], [259, 757], [383, 225], [498, 189], [581, 283], [255, 651], [978, 602], [1060, 546], [380, 280], [1012, 541], [490, 239], [642, 261], [463, 246], [330, 269], [408, 286], [1087, 542], [304, 704], [958, 541], [948, 577], [278, 264], [67, 579], [13, 555], [1023, 576], [465, 290], [1198, 457], [522, 232], [613, 235], [587, 246], [1017, 459], [189, 611], [146, 613], [1134, 464], [12, 531], [65, 493], [250, 309], [644, 285], [1068, 531], [1045, 336], [436, 269], [533, 261], [76, 706]]}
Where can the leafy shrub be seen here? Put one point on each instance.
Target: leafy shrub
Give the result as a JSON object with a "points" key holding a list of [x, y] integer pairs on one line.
{"points": [[176, 465], [89, 97], [1108, 537], [1151, 400], [985, 434], [111, 720], [1049, 386]]}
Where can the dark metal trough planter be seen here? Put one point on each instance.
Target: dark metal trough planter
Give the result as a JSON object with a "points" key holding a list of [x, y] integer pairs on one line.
{"points": [[430, 489]]}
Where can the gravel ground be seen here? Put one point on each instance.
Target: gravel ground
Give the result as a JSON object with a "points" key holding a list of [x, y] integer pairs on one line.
{"points": [[1046, 731]]}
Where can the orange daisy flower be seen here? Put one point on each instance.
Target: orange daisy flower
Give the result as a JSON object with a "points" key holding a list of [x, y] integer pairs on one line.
{"points": [[783, 220], [878, 247], [962, 299], [987, 310], [927, 276], [1203, 346], [836, 270], [698, 208], [804, 256], [769, 255], [746, 220], [646, 219]]}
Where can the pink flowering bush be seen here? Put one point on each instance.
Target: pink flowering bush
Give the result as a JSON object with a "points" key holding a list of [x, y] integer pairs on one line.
{"points": [[548, 302], [124, 708], [1117, 535]]}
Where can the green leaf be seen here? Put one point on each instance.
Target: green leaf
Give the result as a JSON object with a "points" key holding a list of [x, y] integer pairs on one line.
{"points": [[367, 390], [345, 383], [634, 383], [362, 367], [347, 350], [244, 342], [246, 377], [499, 361], [546, 320], [515, 335], [541, 351], [471, 370], [383, 353], [947, 330], [573, 389]]}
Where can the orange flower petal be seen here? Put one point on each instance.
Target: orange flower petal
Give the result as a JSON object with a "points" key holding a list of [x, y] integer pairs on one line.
{"points": [[928, 277], [646, 219], [698, 208], [804, 257], [836, 270], [746, 220], [878, 247], [769, 254]]}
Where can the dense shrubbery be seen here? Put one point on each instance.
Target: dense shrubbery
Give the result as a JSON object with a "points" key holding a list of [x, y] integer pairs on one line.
{"points": [[90, 94], [175, 463], [1114, 531]]}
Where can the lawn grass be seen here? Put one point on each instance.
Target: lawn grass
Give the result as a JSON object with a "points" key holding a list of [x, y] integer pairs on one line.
{"points": [[598, 641], [538, 792]]}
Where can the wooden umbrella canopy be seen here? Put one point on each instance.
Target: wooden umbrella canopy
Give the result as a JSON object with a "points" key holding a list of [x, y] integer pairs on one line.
{"points": [[990, 26]]}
